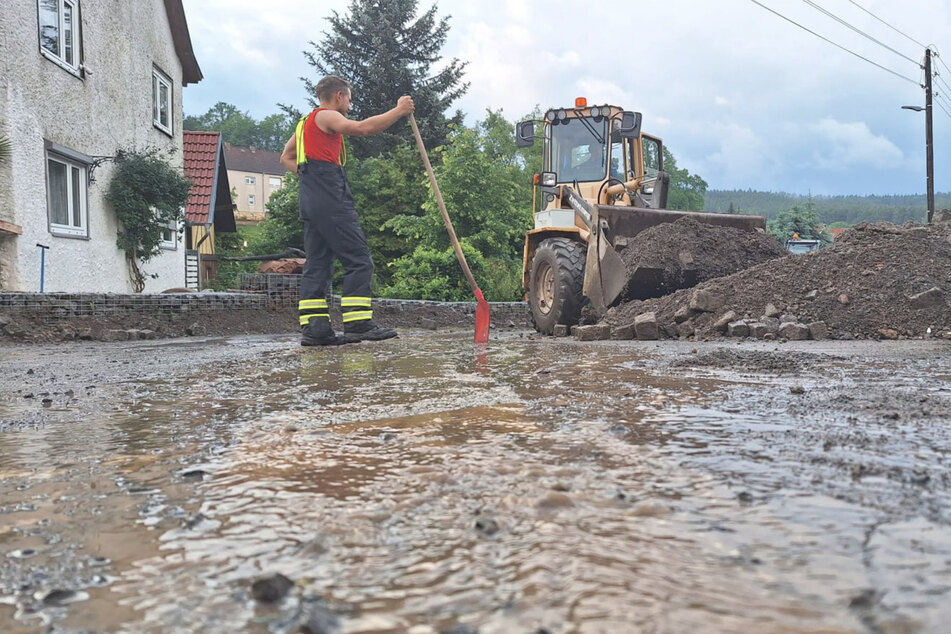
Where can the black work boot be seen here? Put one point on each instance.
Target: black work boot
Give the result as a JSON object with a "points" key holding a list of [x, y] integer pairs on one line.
{"points": [[366, 330], [319, 332]]}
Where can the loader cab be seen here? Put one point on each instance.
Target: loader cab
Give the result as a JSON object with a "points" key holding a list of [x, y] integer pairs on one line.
{"points": [[578, 150], [593, 148]]}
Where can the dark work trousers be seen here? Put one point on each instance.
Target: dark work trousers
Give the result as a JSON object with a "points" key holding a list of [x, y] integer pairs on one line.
{"points": [[331, 230]]}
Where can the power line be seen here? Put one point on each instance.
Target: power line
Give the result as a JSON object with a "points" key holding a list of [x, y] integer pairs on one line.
{"points": [[942, 82], [942, 101], [858, 30], [934, 53], [821, 37], [887, 24], [938, 101], [940, 96]]}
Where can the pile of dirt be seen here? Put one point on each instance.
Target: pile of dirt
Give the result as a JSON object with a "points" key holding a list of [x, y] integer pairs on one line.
{"points": [[878, 280], [689, 252]]}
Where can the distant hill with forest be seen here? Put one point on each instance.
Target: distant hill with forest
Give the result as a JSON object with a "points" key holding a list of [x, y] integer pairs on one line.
{"points": [[830, 209]]}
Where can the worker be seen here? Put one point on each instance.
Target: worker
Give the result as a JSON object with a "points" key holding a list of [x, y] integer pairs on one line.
{"points": [[317, 154], [592, 167]]}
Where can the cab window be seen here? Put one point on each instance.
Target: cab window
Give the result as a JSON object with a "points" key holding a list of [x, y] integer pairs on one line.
{"points": [[653, 157]]}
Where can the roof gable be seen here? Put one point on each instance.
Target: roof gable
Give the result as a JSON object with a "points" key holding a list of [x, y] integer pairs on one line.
{"points": [[209, 198]]}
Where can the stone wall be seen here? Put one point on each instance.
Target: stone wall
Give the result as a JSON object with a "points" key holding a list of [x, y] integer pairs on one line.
{"points": [[110, 317]]}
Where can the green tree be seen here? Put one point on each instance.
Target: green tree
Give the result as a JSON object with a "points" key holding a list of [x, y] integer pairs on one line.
{"points": [[798, 220], [241, 129], [384, 188], [385, 50], [282, 226], [273, 131], [487, 189], [686, 190]]}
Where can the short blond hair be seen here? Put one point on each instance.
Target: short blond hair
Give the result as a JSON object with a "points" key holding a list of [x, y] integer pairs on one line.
{"points": [[330, 86]]}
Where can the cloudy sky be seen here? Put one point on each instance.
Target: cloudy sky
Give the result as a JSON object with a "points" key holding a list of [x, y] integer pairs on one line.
{"points": [[741, 96]]}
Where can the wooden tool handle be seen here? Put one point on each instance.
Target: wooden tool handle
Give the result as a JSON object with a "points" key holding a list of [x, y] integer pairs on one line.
{"points": [[442, 205]]}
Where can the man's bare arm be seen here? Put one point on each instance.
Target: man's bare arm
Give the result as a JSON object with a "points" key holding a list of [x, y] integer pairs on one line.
{"points": [[289, 155], [333, 122]]}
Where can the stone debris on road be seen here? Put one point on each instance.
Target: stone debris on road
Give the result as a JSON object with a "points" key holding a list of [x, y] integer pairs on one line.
{"points": [[878, 281]]}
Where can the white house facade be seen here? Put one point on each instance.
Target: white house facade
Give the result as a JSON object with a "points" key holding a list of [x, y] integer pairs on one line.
{"points": [[79, 81]]}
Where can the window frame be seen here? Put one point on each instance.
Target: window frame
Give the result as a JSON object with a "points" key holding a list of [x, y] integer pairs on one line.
{"points": [[172, 243], [564, 146], [71, 160], [250, 180], [159, 77], [77, 67], [271, 182], [251, 200]]}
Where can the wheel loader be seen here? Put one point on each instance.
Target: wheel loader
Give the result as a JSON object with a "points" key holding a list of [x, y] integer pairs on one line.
{"points": [[603, 182]]}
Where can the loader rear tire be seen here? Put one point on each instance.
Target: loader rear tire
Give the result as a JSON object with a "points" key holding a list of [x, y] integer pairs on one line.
{"points": [[555, 281]]}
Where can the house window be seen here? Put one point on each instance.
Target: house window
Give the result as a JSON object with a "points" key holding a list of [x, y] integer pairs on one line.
{"points": [[60, 32], [249, 180], [161, 101], [250, 200], [66, 195], [170, 237], [274, 181]]}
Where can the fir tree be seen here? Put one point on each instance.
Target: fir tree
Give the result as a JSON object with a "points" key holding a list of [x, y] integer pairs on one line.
{"points": [[384, 50]]}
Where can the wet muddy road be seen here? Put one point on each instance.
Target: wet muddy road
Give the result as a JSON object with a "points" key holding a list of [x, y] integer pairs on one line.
{"points": [[421, 485]]}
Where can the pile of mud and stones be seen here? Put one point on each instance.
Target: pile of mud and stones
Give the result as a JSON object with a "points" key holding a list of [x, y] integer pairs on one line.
{"points": [[878, 281]]}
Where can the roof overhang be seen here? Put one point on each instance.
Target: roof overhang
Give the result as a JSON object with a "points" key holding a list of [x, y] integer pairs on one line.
{"points": [[191, 73], [222, 209]]}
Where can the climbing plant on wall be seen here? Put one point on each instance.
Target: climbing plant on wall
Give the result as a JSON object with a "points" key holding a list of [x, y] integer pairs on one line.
{"points": [[148, 196]]}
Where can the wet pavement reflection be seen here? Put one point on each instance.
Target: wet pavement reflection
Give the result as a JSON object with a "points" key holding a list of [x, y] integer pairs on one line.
{"points": [[422, 484]]}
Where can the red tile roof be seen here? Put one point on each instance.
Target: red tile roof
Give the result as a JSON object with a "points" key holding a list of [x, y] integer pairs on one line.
{"points": [[202, 150]]}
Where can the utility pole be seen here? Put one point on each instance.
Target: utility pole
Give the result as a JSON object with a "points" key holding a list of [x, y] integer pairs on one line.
{"points": [[929, 134]]}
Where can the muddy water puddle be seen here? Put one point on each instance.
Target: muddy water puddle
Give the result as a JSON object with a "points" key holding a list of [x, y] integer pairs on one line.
{"points": [[420, 484]]}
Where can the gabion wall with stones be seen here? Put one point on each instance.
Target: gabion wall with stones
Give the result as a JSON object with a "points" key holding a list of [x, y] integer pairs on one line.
{"points": [[283, 289], [66, 305], [57, 307]]}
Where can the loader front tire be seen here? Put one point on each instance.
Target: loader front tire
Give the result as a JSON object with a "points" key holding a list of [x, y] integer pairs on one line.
{"points": [[555, 282]]}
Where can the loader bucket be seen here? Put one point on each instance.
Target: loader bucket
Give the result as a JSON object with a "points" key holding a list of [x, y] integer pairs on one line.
{"points": [[606, 276]]}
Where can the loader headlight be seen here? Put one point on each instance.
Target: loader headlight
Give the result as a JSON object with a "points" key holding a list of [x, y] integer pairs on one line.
{"points": [[549, 179], [562, 114], [550, 115]]}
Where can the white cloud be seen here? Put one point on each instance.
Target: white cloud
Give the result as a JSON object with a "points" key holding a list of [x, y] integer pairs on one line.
{"points": [[740, 155], [844, 146], [601, 91]]}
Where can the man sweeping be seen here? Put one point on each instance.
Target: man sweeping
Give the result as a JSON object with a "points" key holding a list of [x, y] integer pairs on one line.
{"points": [[317, 154]]}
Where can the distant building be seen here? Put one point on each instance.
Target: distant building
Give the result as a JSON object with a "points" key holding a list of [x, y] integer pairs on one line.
{"points": [[254, 176]]}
